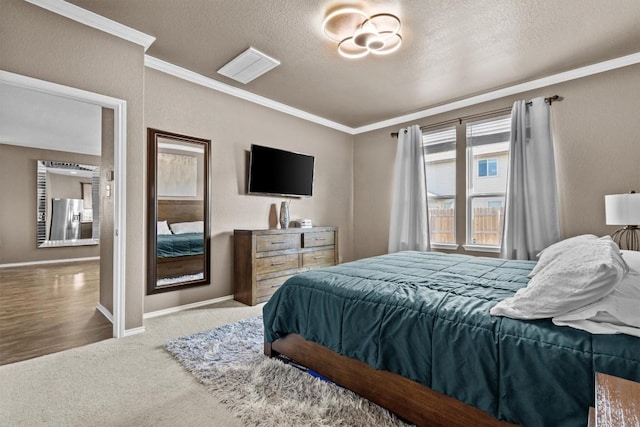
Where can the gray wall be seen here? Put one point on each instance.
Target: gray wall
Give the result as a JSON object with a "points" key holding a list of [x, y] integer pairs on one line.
{"points": [[596, 130], [56, 49], [43, 45], [232, 124], [18, 208]]}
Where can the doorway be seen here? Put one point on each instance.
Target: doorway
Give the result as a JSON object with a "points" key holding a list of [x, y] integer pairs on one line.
{"points": [[114, 185]]}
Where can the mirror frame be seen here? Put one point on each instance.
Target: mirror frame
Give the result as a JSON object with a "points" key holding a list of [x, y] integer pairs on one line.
{"points": [[42, 204], [152, 210]]}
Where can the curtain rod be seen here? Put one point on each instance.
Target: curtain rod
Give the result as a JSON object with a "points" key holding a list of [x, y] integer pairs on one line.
{"points": [[549, 100]]}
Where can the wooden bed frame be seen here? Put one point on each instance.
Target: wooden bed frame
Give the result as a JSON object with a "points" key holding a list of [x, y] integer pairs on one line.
{"points": [[408, 399], [180, 211], [179, 266]]}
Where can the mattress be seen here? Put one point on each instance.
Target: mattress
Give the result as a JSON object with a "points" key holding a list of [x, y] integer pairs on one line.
{"points": [[176, 245], [425, 316]]}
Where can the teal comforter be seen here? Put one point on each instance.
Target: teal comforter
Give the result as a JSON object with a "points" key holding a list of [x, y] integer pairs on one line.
{"points": [[176, 245], [425, 316]]}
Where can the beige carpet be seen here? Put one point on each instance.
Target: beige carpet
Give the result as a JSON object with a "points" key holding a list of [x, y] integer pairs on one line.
{"points": [[131, 381]]}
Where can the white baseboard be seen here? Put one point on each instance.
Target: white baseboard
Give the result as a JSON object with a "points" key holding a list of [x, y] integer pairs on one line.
{"points": [[49, 261], [185, 307], [134, 331], [105, 312]]}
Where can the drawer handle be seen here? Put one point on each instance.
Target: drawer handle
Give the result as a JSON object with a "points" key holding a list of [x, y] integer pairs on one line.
{"points": [[320, 238], [318, 257], [278, 243], [273, 264]]}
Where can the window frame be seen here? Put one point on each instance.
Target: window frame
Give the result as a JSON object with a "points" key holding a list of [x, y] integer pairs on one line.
{"points": [[463, 149], [453, 197], [470, 195]]}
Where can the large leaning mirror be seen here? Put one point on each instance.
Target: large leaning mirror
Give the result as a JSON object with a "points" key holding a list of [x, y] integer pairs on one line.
{"points": [[68, 203], [178, 211]]}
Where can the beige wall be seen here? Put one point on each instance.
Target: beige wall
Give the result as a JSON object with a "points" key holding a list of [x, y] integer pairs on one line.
{"points": [[233, 125], [596, 130], [18, 208], [43, 45]]}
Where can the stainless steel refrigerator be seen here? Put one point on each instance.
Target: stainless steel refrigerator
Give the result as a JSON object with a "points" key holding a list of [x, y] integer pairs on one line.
{"points": [[65, 219]]}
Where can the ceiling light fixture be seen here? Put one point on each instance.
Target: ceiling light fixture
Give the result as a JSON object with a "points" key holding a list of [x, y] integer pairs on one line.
{"points": [[358, 34]]}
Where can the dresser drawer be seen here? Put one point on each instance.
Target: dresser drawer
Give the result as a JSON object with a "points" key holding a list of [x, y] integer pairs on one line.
{"points": [[262, 299], [269, 286], [276, 263], [277, 242], [319, 258], [322, 238]]}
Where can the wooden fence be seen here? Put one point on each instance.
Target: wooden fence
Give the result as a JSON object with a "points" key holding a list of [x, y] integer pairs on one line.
{"points": [[486, 227], [442, 225]]}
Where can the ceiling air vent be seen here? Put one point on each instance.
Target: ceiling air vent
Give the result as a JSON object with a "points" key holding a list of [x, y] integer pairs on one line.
{"points": [[249, 65]]}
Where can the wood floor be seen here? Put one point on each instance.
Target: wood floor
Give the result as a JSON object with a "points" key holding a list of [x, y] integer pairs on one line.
{"points": [[46, 309]]}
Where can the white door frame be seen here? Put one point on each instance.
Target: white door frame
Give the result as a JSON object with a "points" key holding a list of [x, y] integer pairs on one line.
{"points": [[119, 107]]}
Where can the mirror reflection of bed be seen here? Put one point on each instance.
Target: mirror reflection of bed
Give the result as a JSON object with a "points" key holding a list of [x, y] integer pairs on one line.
{"points": [[180, 241]]}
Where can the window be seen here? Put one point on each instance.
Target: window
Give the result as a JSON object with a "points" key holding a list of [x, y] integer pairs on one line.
{"points": [[488, 154], [487, 148], [487, 167], [440, 171]]}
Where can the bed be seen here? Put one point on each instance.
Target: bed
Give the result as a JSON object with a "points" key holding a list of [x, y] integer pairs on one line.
{"points": [[180, 245], [412, 332], [180, 254]]}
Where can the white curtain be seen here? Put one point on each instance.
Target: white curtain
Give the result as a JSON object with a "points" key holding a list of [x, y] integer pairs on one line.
{"points": [[531, 221], [409, 228]]}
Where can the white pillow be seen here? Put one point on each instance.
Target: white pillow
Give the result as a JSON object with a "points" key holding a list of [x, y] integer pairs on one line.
{"points": [[163, 228], [573, 279], [616, 313], [551, 252], [188, 227]]}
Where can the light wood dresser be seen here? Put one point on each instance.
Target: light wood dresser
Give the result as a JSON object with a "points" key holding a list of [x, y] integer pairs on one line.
{"points": [[264, 259]]}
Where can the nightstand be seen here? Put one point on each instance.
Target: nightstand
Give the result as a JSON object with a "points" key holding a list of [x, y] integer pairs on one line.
{"points": [[617, 402]]}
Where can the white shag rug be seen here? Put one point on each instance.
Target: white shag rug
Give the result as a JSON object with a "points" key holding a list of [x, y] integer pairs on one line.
{"points": [[180, 279], [263, 391]]}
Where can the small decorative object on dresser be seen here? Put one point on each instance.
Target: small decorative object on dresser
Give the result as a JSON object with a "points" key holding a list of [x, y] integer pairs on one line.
{"points": [[264, 259], [284, 214]]}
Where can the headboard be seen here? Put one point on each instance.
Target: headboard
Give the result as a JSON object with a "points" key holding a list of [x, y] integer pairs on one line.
{"points": [[180, 210]]}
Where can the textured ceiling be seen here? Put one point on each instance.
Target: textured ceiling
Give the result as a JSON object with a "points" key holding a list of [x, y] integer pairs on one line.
{"points": [[452, 48]]}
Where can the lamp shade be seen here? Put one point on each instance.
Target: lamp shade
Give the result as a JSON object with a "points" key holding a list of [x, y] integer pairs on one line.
{"points": [[622, 209]]}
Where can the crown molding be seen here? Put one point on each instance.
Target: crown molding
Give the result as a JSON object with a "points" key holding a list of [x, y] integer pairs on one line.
{"points": [[566, 76], [112, 27], [199, 79], [94, 20]]}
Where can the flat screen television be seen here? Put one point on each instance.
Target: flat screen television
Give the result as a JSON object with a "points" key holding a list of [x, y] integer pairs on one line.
{"points": [[279, 172]]}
